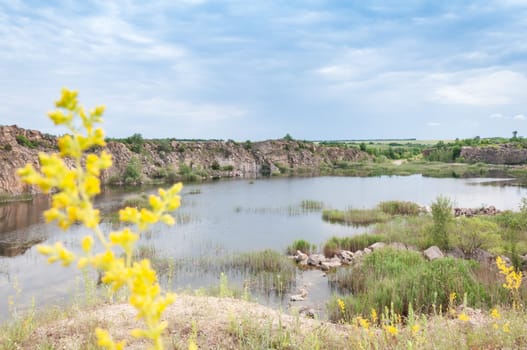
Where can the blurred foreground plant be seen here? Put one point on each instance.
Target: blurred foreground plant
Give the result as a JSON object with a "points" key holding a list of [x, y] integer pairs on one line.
{"points": [[74, 188]]}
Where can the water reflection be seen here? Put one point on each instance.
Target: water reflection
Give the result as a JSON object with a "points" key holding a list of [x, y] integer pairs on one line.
{"points": [[19, 215]]}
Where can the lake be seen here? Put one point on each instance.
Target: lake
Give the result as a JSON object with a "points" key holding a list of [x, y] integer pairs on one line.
{"points": [[219, 218]]}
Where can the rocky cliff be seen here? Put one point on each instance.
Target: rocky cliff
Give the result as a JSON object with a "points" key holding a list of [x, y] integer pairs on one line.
{"points": [[165, 159], [495, 154]]}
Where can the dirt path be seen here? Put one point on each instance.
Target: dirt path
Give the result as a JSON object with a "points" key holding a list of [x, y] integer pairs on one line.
{"points": [[217, 323]]}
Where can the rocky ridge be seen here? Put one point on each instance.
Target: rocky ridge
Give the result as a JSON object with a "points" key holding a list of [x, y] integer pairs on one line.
{"points": [[508, 153], [208, 159]]}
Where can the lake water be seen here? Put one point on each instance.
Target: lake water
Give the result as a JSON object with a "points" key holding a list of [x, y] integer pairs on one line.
{"points": [[224, 217]]}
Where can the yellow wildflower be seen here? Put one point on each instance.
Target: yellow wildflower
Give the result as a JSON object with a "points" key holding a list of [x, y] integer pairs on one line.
{"points": [[506, 327], [392, 330], [75, 187], [495, 314], [463, 317], [416, 328], [374, 316], [342, 306]]}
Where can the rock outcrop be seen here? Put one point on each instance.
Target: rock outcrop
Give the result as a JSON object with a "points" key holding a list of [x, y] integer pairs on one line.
{"points": [[496, 154], [209, 159]]}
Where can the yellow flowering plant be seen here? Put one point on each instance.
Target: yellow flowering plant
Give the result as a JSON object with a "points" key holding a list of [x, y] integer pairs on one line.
{"points": [[513, 281], [72, 175]]}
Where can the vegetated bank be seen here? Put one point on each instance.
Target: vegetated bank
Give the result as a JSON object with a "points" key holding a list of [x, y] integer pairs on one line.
{"points": [[141, 161]]}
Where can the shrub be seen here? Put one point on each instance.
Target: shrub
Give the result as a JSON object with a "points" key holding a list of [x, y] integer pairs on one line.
{"points": [[135, 143], [215, 165], [442, 217], [164, 145], [24, 141], [132, 173], [227, 168], [474, 233]]}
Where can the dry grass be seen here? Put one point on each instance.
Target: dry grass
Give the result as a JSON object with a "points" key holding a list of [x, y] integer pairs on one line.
{"points": [[225, 323]]}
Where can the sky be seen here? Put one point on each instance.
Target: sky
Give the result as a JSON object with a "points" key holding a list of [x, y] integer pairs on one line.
{"points": [[317, 70]]}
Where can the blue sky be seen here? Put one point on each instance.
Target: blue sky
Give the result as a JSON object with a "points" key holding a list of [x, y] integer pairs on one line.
{"points": [[260, 69]]}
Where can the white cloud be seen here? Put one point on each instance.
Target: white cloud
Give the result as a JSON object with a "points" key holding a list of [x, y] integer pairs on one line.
{"points": [[483, 88], [433, 124], [497, 116], [519, 117]]}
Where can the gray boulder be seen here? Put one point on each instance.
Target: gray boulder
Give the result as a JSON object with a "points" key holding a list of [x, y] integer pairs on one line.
{"points": [[433, 253]]}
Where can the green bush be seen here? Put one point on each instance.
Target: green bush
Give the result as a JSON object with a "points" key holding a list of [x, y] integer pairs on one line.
{"points": [[442, 217], [24, 141], [164, 145], [215, 165], [132, 173], [135, 143], [473, 233]]}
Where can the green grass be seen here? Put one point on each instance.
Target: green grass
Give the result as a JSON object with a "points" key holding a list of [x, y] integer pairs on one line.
{"points": [[397, 278], [399, 208], [302, 245], [357, 217], [311, 205], [10, 198], [358, 242], [271, 270]]}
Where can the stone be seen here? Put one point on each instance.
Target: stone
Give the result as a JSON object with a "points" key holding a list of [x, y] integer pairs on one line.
{"points": [[316, 259], [299, 256], [377, 245], [358, 254], [308, 312], [398, 245], [301, 296], [457, 253], [367, 250], [433, 253], [330, 264]]}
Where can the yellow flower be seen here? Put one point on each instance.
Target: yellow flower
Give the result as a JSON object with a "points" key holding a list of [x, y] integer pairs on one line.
{"points": [[87, 243], [506, 328], [415, 329], [495, 314], [392, 330], [76, 184], [125, 238], [342, 305], [363, 322], [463, 317], [374, 316]]}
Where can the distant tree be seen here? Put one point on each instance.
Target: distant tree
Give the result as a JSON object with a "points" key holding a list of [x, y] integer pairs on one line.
{"points": [[514, 135], [288, 137], [136, 142], [363, 146]]}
